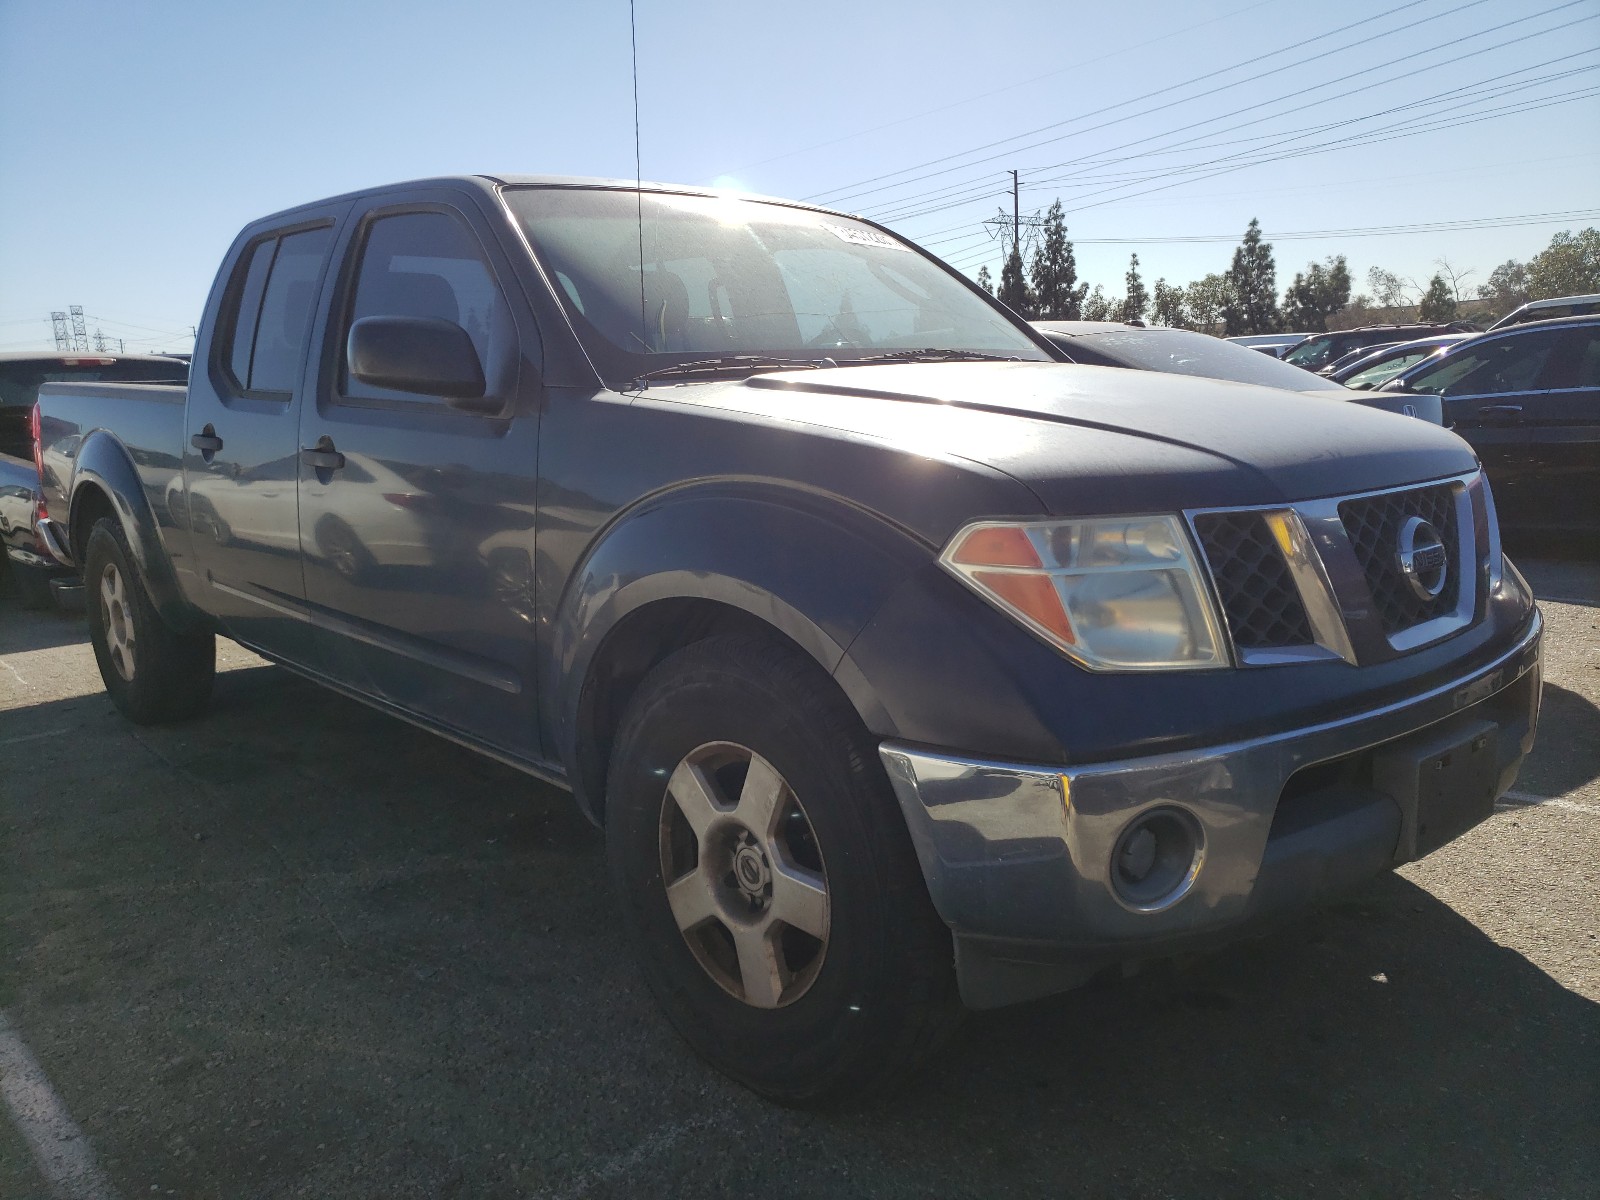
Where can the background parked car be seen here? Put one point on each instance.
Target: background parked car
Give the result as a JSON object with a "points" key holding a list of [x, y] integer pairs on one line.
{"points": [[1321, 349], [1275, 344], [1546, 310], [25, 559], [1182, 352], [1383, 363], [1527, 398]]}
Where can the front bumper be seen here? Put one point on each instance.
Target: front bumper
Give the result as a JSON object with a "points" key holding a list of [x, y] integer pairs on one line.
{"points": [[1019, 858]]}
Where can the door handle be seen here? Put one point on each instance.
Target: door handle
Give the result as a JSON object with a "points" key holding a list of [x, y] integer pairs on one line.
{"points": [[207, 442], [322, 456], [1501, 408]]}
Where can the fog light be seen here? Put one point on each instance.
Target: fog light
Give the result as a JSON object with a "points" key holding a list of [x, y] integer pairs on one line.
{"points": [[1156, 859]]}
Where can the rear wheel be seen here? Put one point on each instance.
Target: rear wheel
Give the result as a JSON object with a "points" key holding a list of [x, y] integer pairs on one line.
{"points": [[769, 883], [152, 673]]}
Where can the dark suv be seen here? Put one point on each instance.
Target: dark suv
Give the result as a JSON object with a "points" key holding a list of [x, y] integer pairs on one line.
{"points": [[1321, 349], [1527, 399]]}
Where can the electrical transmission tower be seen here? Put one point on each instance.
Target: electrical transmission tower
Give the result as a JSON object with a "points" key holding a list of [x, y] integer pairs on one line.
{"points": [[1013, 230], [80, 336], [102, 343], [63, 336]]}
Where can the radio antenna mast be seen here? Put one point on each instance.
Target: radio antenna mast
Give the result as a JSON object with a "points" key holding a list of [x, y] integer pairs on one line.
{"points": [[638, 177]]}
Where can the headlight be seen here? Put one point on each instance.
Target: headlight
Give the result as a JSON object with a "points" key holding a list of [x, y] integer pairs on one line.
{"points": [[1113, 593]]}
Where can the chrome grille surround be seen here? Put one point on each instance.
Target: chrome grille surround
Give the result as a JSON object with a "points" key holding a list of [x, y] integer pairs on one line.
{"points": [[1340, 554]]}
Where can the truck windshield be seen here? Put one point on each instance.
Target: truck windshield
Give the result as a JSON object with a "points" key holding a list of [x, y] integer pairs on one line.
{"points": [[727, 277]]}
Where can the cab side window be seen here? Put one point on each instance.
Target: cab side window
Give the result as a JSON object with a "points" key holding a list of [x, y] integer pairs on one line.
{"points": [[270, 315], [1497, 367], [428, 264]]}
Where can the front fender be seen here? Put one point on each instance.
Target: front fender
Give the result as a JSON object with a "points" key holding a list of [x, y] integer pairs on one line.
{"points": [[103, 464], [810, 567]]}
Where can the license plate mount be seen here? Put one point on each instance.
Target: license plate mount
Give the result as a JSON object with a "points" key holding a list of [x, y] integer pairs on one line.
{"points": [[1444, 781]]}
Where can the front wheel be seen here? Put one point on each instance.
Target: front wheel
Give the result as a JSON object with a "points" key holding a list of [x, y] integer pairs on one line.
{"points": [[152, 673], [768, 880]]}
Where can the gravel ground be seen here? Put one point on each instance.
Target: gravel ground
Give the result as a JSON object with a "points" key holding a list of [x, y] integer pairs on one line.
{"points": [[298, 948]]}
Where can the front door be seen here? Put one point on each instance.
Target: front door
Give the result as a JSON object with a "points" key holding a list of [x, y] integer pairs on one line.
{"points": [[240, 453], [417, 516], [1486, 388]]}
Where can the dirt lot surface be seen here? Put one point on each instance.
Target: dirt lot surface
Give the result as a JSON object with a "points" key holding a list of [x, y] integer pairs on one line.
{"points": [[298, 948]]}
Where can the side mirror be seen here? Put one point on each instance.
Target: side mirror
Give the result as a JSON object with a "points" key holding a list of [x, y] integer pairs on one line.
{"points": [[425, 355]]}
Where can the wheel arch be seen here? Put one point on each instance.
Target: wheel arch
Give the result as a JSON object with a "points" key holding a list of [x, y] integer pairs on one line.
{"points": [[105, 483], [807, 575]]}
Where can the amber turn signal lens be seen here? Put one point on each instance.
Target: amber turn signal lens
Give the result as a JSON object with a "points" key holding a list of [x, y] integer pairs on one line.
{"points": [[1034, 596]]}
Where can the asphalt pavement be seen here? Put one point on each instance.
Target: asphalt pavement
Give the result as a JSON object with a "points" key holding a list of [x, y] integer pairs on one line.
{"points": [[298, 948]]}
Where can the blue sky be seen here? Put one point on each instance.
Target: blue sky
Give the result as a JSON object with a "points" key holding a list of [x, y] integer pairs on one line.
{"points": [[138, 136]]}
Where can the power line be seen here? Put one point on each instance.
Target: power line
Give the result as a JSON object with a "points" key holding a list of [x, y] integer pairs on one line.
{"points": [[1517, 220], [1407, 61], [850, 191], [1429, 124], [1437, 98], [1010, 87]]}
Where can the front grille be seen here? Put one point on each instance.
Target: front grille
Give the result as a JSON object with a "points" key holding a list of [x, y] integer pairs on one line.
{"points": [[1373, 525], [1253, 581]]}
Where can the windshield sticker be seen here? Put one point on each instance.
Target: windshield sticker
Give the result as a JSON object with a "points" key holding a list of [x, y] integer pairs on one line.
{"points": [[858, 235]]}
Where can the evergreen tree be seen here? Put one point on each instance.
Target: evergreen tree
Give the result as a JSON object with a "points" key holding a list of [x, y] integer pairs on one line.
{"points": [[1203, 302], [1438, 304], [1168, 308], [1137, 300], [1057, 294], [1013, 291], [985, 281], [1317, 294], [1252, 301], [1098, 308]]}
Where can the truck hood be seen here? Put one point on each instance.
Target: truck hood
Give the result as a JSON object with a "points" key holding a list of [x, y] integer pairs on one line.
{"points": [[1099, 439]]}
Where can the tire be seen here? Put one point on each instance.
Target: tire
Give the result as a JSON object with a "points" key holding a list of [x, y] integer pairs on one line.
{"points": [[152, 673], [844, 1017]]}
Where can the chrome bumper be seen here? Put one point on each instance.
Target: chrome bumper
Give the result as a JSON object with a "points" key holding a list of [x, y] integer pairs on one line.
{"points": [[1018, 858], [55, 540]]}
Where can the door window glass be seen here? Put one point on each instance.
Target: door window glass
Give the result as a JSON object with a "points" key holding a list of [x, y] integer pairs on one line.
{"points": [[286, 310], [1586, 373], [1489, 368], [427, 264], [247, 310]]}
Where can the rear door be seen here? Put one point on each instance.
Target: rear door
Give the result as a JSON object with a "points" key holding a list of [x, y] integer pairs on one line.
{"points": [[418, 549], [1561, 487], [240, 465]]}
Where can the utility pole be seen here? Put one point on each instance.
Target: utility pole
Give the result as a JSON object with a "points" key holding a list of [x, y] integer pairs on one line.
{"points": [[1016, 216], [63, 337]]}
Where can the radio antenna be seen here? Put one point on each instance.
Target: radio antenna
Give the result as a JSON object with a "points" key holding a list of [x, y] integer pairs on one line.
{"points": [[638, 176]]}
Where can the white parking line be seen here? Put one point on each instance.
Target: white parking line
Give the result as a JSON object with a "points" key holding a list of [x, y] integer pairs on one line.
{"points": [[59, 1146], [1529, 800], [32, 737]]}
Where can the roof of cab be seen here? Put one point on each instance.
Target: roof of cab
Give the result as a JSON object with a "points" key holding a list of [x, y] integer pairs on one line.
{"points": [[490, 183]]}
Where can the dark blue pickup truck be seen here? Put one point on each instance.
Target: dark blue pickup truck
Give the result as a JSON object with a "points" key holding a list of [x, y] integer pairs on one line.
{"points": [[905, 666]]}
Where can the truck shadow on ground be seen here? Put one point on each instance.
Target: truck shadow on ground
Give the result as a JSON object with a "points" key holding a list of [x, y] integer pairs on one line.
{"points": [[337, 956]]}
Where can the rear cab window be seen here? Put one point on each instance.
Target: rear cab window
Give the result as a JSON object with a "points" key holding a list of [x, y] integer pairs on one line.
{"points": [[268, 313]]}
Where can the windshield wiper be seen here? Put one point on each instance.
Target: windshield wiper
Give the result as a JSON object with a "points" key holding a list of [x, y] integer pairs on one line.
{"points": [[932, 355], [734, 362]]}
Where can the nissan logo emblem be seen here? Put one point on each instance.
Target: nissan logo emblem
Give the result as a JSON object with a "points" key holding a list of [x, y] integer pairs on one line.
{"points": [[1422, 557]]}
